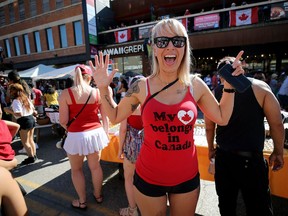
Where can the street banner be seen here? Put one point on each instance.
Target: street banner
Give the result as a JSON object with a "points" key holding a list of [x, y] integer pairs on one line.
{"points": [[279, 11], [123, 36], [243, 17], [209, 21]]}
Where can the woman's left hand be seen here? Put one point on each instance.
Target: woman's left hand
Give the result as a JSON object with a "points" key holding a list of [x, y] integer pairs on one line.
{"points": [[237, 65]]}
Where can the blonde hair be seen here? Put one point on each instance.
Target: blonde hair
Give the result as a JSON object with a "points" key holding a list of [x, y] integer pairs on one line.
{"points": [[81, 82], [174, 27]]}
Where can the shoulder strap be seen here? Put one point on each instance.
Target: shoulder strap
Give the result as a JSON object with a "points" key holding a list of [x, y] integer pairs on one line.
{"points": [[69, 123], [156, 93], [71, 96]]}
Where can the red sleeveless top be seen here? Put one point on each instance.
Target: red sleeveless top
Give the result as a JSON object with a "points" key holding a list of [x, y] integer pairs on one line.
{"points": [[88, 118], [135, 121], [168, 154], [6, 151]]}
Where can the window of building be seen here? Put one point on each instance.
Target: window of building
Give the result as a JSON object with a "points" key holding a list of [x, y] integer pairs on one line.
{"points": [[45, 6], [26, 44], [33, 8], [11, 13], [37, 41], [2, 17], [50, 41], [75, 1], [78, 33], [59, 4], [7, 48], [63, 36], [16, 46], [21, 9], [129, 63]]}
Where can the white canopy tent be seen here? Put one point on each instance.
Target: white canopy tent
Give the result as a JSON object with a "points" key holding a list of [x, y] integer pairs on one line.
{"points": [[35, 71], [61, 73]]}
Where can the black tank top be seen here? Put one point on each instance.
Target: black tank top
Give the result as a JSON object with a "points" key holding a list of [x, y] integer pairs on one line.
{"points": [[245, 130]]}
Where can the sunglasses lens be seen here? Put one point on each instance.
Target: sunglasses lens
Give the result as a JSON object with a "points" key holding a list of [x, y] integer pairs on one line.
{"points": [[179, 41], [161, 42]]}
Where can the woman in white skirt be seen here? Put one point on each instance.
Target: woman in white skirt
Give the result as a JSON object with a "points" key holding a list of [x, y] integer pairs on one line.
{"points": [[87, 136]]}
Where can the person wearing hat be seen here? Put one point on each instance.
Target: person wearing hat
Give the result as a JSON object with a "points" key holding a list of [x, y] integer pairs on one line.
{"points": [[87, 135]]}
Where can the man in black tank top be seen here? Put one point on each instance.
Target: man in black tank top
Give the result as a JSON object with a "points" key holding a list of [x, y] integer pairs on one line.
{"points": [[239, 161]]}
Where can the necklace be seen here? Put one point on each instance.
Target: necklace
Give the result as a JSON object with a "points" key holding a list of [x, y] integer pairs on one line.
{"points": [[167, 85], [162, 80]]}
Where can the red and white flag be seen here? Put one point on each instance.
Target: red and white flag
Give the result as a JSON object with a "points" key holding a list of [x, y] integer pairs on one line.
{"points": [[243, 17], [123, 36]]}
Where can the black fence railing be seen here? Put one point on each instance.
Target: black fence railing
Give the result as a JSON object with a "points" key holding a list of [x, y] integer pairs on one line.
{"points": [[244, 15]]}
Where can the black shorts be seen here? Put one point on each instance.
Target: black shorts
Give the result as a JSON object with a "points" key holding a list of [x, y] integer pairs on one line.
{"points": [[26, 122], [158, 191]]}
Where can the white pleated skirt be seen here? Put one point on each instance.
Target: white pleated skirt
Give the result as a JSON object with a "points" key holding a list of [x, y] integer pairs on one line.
{"points": [[86, 142]]}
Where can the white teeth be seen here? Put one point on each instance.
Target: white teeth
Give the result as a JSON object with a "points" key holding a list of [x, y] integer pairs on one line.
{"points": [[170, 56]]}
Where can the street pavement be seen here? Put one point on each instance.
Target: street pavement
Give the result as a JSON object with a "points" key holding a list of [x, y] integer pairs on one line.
{"points": [[50, 189]]}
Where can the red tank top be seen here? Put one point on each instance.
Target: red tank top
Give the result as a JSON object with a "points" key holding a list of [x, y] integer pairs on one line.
{"points": [[168, 155], [6, 151], [88, 118], [135, 121]]}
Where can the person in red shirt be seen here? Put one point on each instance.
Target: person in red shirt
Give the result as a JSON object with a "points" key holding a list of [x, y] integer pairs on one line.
{"points": [[37, 99], [87, 135], [8, 130], [167, 165]]}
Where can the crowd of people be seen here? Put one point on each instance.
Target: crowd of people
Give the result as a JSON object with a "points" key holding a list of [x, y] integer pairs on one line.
{"points": [[157, 115]]}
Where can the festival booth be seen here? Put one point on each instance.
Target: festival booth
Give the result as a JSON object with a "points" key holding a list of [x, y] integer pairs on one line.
{"points": [[278, 180], [61, 73], [35, 71]]}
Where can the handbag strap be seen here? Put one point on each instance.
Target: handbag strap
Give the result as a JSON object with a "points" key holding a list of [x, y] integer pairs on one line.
{"points": [[156, 93], [73, 119]]}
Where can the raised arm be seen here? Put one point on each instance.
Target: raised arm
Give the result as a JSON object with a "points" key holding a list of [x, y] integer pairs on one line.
{"points": [[219, 113], [127, 105]]}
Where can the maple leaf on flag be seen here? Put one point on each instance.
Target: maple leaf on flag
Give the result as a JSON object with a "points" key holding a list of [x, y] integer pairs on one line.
{"points": [[243, 17], [122, 36]]}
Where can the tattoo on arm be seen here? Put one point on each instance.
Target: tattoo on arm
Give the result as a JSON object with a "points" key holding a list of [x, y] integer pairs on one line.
{"points": [[134, 107], [133, 89], [107, 98]]}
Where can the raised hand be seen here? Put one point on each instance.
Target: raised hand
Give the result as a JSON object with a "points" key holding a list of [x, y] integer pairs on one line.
{"points": [[237, 64], [100, 71]]}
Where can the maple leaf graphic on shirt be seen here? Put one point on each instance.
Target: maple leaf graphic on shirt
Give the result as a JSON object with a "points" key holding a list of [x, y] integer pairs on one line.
{"points": [[122, 36], [243, 17], [186, 117]]}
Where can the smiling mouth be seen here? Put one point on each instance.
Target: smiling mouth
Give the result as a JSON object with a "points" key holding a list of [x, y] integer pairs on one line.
{"points": [[170, 59]]}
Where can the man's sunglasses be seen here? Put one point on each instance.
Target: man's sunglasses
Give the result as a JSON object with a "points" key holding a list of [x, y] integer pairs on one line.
{"points": [[177, 41]]}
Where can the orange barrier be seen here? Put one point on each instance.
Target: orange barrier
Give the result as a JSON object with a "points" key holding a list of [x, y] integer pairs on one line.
{"points": [[278, 180], [110, 153]]}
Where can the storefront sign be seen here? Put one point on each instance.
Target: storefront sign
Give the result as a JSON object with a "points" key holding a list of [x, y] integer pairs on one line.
{"points": [[206, 21], [124, 50]]}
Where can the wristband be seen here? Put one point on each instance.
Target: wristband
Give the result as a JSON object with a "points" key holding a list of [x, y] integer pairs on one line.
{"points": [[229, 90]]}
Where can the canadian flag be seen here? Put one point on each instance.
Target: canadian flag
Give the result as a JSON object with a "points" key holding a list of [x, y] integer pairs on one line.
{"points": [[123, 36], [243, 17]]}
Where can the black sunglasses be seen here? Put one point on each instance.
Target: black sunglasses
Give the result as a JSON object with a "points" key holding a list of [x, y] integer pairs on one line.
{"points": [[177, 41]]}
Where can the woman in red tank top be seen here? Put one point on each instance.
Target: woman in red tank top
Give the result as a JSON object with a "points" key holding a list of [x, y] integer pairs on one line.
{"points": [[87, 136], [166, 167]]}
